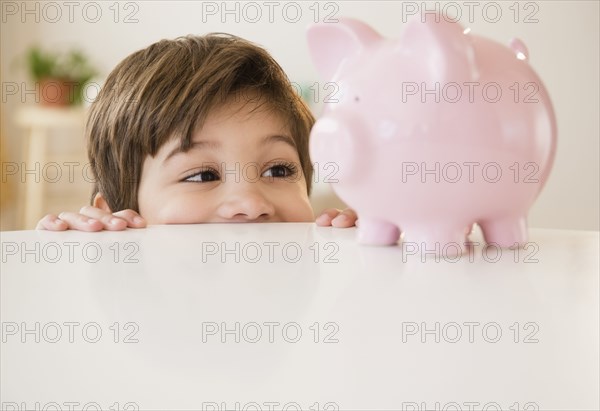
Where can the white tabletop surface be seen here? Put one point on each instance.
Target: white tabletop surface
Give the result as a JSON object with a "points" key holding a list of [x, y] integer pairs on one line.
{"points": [[519, 333]]}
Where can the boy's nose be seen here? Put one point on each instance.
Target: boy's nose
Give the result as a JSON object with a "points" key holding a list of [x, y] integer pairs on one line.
{"points": [[246, 206]]}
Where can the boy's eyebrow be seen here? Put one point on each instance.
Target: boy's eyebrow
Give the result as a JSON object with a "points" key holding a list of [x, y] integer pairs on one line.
{"points": [[216, 144], [278, 137]]}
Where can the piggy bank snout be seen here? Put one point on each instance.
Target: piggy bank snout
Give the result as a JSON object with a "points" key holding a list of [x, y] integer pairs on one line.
{"points": [[335, 143]]}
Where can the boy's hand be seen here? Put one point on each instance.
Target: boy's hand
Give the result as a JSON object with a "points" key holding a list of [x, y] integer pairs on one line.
{"points": [[92, 219], [337, 218]]}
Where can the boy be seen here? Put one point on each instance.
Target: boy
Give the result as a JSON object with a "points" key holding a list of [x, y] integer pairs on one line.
{"points": [[196, 130]]}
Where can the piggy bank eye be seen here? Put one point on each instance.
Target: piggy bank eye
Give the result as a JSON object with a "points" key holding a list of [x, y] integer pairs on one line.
{"points": [[356, 98]]}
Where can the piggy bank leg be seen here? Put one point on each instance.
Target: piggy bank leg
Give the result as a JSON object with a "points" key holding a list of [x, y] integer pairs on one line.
{"points": [[505, 232], [377, 232]]}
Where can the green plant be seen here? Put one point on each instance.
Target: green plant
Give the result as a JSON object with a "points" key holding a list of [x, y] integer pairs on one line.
{"points": [[71, 67]]}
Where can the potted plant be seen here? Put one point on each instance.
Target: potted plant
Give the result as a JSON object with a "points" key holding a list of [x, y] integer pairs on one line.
{"points": [[60, 77]]}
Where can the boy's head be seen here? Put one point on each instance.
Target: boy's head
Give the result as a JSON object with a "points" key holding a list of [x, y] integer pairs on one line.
{"points": [[201, 129]]}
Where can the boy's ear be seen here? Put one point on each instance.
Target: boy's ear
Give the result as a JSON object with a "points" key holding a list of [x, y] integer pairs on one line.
{"points": [[100, 202]]}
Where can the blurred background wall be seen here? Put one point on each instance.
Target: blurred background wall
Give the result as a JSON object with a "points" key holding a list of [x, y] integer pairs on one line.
{"points": [[562, 37]]}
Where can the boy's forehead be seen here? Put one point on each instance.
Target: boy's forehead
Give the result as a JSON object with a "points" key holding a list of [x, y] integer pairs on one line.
{"points": [[174, 146], [257, 115], [264, 138], [259, 118]]}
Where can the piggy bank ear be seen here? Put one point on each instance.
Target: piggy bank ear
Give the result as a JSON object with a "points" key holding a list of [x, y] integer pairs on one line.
{"points": [[331, 44], [441, 47]]}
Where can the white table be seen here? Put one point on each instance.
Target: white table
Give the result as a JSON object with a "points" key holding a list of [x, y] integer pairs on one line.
{"points": [[363, 313]]}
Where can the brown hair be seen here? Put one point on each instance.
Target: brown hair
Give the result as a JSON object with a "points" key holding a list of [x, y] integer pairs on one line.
{"points": [[168, 89]]}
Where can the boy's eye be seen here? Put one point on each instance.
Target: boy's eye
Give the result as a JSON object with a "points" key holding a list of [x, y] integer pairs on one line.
{"points": [[283, 170], [204, 176], [280, 171]]}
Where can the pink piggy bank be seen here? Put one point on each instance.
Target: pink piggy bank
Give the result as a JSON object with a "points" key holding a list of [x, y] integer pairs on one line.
{"points": [[432, 132]]}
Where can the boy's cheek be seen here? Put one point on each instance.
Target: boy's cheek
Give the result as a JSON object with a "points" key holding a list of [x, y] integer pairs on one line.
{"points": [[307, 217], [300, 211], [169, 209]]}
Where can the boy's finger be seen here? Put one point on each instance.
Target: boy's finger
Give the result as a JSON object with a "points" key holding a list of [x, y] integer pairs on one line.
{"points": [[52, 223], [133, 219], [109, 221], [346, 218], [80, 222], [327, 216]]}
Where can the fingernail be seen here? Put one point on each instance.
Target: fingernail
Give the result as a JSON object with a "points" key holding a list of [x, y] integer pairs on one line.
{"points": [[340, 218], [114, 221], [322, 218], [138, 220], [91, 221]]}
